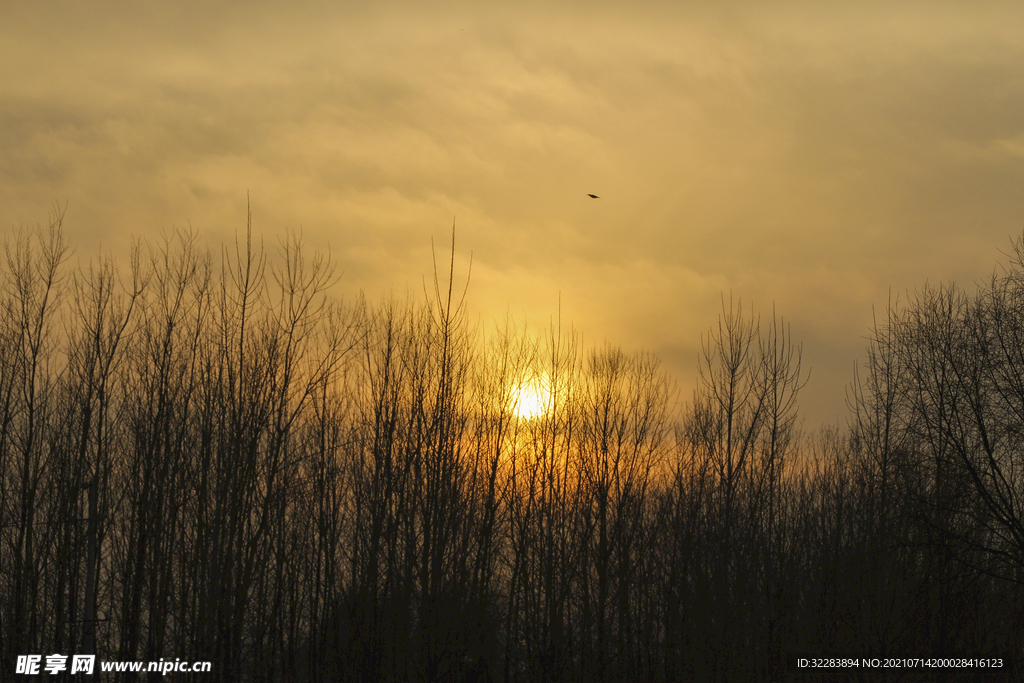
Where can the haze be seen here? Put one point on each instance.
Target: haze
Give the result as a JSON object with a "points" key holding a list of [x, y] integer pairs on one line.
{"points": [[801, 156]]}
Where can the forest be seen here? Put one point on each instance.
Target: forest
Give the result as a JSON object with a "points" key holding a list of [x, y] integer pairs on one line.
{"points": [[213, 457]]}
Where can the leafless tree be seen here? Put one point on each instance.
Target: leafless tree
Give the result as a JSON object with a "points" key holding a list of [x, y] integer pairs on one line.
{"points": [[218, 459], [29, 378]]}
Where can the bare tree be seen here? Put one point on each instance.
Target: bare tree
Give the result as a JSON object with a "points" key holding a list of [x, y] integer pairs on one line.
{"points": [[740, 432], [32, 298], [231, 464]]}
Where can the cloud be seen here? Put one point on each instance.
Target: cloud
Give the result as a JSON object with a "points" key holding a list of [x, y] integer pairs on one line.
{"points": [[810, 156]]}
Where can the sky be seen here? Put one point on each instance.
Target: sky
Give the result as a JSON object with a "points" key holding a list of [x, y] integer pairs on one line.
{"points": [[815, 159]]}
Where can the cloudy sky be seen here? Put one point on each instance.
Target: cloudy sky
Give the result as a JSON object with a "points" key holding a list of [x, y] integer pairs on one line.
{"points": [[804, 156]]}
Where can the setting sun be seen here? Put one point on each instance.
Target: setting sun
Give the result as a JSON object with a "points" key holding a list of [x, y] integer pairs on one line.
{"points": [[531, 399]]}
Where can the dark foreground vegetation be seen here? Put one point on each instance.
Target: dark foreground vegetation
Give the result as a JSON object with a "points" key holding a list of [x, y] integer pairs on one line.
{"points": [[210, 458]]}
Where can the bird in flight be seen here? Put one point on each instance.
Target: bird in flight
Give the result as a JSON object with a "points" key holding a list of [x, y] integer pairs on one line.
{"points": [[593, 196]]}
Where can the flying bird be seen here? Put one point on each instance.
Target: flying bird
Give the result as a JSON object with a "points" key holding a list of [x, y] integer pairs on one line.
{"points": [[593, 196]]}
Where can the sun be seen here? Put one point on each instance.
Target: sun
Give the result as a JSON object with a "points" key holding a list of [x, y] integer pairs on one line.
{"points": [[531, 399]]}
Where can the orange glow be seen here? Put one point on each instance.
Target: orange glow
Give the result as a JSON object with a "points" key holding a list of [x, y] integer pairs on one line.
{"points": [[532, 399]]}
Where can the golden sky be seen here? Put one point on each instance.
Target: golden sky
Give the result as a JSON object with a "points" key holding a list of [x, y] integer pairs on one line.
{"points": [[809, 156]]}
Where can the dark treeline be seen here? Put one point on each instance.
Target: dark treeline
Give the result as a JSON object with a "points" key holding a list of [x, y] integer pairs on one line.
{"points": [[211, 458]]}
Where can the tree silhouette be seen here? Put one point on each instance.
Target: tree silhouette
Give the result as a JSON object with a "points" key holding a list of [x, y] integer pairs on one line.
{"points": [[215, 459]]}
